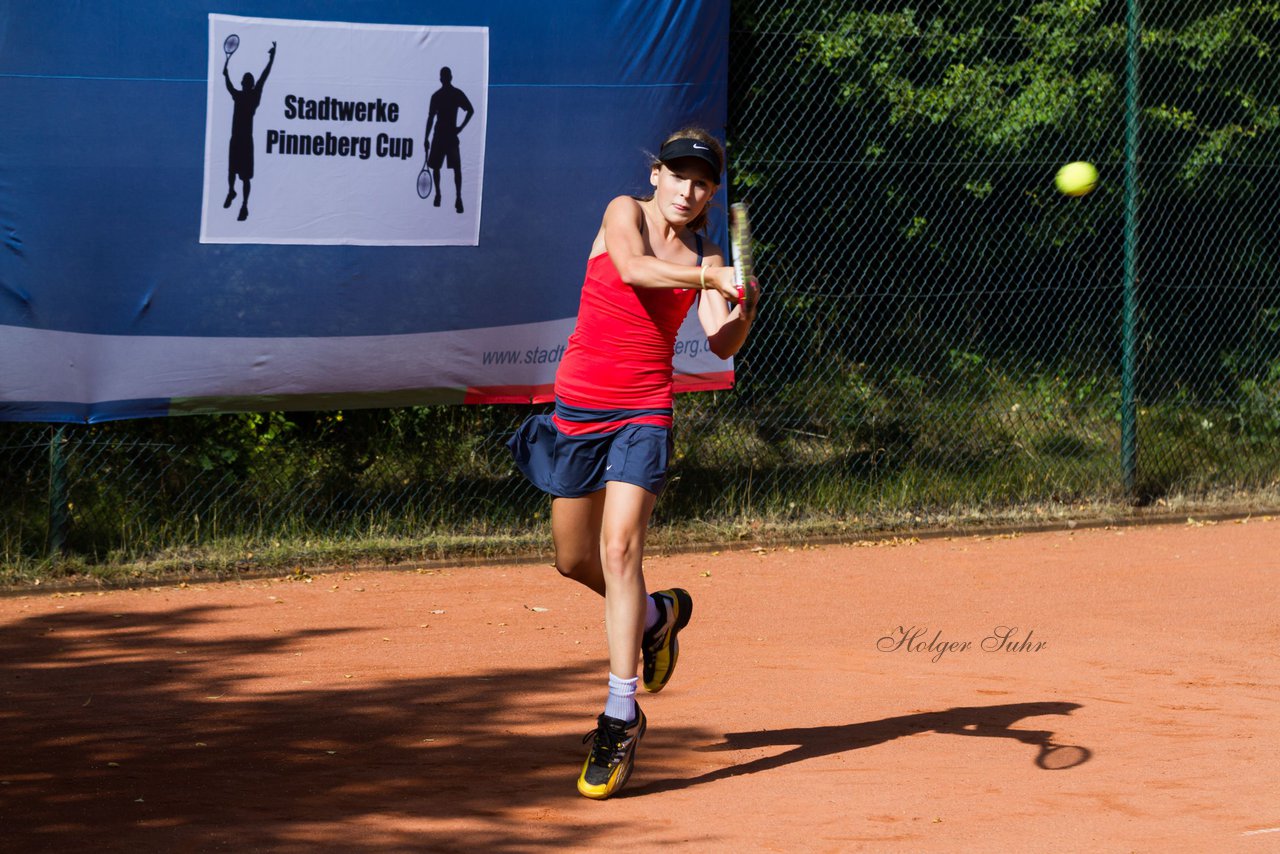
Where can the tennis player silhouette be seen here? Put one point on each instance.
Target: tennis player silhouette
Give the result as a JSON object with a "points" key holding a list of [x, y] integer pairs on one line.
{"points": [[443, 147], [240, 152]]}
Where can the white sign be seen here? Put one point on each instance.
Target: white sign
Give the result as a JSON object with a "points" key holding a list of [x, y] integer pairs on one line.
{"points": [[333, 133]]}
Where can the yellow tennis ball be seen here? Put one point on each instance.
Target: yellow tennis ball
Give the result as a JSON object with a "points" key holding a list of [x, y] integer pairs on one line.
{"points": [[1077, 179]]}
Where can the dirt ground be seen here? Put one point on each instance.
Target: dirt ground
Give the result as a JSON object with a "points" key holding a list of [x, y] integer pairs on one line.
{"points": [[1086, 690]]}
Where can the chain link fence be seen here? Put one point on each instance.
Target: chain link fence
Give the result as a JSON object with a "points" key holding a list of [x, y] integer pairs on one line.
{"points": [[944, 336]]}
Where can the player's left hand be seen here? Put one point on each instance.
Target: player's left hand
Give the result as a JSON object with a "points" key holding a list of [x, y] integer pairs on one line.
{"points": [[749, 299]]}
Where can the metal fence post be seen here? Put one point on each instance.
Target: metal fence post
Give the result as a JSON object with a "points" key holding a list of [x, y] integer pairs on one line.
{"points": [[58, 519], [1128, 403]]}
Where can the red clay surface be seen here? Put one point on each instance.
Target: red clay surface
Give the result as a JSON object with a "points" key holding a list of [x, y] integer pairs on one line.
{"points": [[444, 709]]}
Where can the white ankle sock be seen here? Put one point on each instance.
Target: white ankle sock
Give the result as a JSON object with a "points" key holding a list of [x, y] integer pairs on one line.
{"points": [[651, 613], [622, 698]]}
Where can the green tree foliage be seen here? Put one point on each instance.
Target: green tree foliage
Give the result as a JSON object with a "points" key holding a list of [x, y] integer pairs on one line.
{"points": [[923, 140]]}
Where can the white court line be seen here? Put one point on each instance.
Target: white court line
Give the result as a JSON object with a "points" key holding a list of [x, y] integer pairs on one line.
{"points": [[1256, 832]]}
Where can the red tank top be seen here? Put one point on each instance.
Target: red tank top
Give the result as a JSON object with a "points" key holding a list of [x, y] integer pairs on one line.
{"points": [[619, 356]]}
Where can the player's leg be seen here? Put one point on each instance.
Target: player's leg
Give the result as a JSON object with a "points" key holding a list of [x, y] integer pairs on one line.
{"points": [[627, 509], [231, 187], [575, 531], [435, 182], [244, 203], [663, 614], [625, 520]]}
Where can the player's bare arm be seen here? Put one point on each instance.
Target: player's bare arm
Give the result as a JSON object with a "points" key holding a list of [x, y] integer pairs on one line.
{"points": [[726, 328], [622, 236]]}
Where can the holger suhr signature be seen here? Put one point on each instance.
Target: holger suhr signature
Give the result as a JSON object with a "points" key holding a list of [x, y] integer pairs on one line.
{"points": [[917, 639]]}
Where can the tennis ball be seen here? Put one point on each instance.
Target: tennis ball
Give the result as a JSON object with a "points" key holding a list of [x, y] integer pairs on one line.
{"points": [[1077, 179]]}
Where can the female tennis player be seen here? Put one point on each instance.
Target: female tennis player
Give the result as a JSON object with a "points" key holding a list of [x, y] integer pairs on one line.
{"points": [[603, 454]]}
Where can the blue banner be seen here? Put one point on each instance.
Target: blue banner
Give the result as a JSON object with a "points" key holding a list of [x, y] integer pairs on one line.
{"points": [[217, 207]]}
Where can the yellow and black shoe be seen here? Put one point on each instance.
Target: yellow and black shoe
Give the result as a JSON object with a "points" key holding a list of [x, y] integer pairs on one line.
{"points": [[612, 756], [659, 647]]}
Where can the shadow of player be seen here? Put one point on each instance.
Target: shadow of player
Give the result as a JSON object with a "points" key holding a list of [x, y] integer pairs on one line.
{"points": [[811, 742]]}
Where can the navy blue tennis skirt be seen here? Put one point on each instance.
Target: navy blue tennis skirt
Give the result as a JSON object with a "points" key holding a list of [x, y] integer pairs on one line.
{"points": [[574, 466]]}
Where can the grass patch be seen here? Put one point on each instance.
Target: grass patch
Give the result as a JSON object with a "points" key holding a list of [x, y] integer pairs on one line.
{"points": [[866, 456]]}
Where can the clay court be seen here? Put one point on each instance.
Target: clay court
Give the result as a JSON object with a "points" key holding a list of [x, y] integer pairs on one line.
{"points": [[1133, 706]]}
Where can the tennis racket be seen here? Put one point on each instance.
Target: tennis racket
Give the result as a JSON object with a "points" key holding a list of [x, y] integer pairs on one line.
{"points": [[230, 44], [424, 181], [740, 246]]}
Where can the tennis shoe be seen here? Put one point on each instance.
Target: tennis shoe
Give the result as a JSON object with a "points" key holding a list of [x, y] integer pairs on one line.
{"points": [[231, 197], [612, 756], [659, 647]]}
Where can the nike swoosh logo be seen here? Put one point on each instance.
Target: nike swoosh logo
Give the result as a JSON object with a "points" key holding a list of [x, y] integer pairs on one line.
{"points": [[606, 468], [701, 147]]}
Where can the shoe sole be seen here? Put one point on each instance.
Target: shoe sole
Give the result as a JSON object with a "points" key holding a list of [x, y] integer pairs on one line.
{"points": [[684, 611]]}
